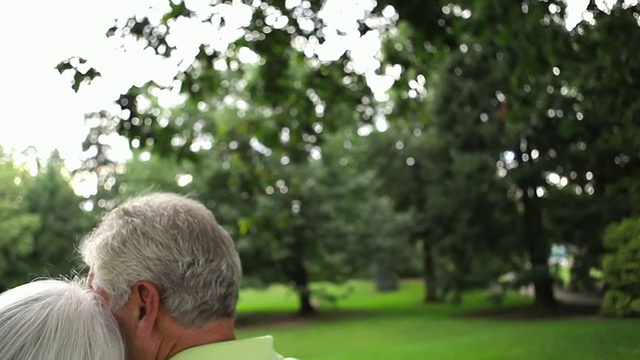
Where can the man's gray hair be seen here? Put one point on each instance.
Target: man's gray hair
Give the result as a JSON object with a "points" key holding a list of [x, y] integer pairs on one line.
{"points": [[56, 320], [175, 243]]}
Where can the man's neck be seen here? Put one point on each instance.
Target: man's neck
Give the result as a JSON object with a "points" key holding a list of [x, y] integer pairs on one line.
{"points": [[185, 338]]}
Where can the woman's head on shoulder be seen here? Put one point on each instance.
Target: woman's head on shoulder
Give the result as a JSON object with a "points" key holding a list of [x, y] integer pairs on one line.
{"points": [[57, 319]]}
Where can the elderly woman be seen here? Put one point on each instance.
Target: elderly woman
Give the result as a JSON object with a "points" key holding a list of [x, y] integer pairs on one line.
{"points": [[57, 320]]}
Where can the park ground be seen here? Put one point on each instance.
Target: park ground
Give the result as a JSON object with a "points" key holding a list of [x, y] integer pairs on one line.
{"points": [[370, 325]]}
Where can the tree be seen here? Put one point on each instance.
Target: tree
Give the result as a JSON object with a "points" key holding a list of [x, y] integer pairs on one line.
{"points": [[523, 88], [272, 93], [621, 270], [63, 221], [319, 220], [445, 157], [17, 224], [606, 102]]}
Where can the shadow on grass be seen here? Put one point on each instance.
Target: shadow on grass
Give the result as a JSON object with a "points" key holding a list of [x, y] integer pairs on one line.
{"points": [[276, 306], [426, 311], [284, 319], [530, 312]]}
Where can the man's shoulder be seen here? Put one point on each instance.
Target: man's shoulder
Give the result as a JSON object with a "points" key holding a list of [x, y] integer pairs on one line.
{"points": [[260, 348], [287, 358]]}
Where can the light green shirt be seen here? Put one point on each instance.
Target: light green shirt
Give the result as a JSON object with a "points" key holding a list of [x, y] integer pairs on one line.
{"points": [[259, 348]]}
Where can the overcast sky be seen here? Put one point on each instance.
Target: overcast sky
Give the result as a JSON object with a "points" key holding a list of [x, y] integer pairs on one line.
{"points": [[37, 105]]}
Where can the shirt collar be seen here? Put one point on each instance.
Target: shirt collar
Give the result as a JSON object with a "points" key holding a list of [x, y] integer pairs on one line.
{"points": [[259, 348]]}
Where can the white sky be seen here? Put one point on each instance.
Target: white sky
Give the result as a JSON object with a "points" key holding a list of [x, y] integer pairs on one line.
{"points": [[37, 105]]}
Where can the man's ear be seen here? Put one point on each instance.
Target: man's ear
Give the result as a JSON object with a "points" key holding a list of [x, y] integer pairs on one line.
{"points": [[146, 299]]}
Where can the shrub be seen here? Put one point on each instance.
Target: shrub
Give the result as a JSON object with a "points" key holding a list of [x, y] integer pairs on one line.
{"points": [[621, 269]]}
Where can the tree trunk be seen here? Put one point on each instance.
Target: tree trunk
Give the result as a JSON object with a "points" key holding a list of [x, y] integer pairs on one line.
{"points": [[384, 277], [305, 308], [538, 249], [430, 279], [300, 278], [544, 292]]}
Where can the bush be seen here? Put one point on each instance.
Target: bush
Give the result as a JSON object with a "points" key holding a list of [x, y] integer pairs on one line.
{"points": [[621, 269]]}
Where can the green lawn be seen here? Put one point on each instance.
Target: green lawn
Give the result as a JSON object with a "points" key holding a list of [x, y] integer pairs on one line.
{"points": [[396, 326]]}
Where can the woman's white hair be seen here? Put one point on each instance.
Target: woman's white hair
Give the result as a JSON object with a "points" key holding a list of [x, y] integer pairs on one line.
{"points": [[175, 243], [57, 320]]}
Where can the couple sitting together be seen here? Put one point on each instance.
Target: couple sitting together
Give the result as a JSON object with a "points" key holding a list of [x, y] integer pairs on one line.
{"points": [[163, 284]]}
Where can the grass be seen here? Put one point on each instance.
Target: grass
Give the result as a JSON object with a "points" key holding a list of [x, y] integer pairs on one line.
{"points": [[369, 325]]}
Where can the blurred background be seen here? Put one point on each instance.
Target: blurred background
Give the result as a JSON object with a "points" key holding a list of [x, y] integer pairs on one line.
{"points": [[403, 178]]}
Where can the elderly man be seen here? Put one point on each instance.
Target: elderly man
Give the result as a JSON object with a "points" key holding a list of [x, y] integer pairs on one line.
{"points": [[170, 274]]}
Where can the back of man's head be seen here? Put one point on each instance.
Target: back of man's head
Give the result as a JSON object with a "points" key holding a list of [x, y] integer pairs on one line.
{"points": [[173, 242]]}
